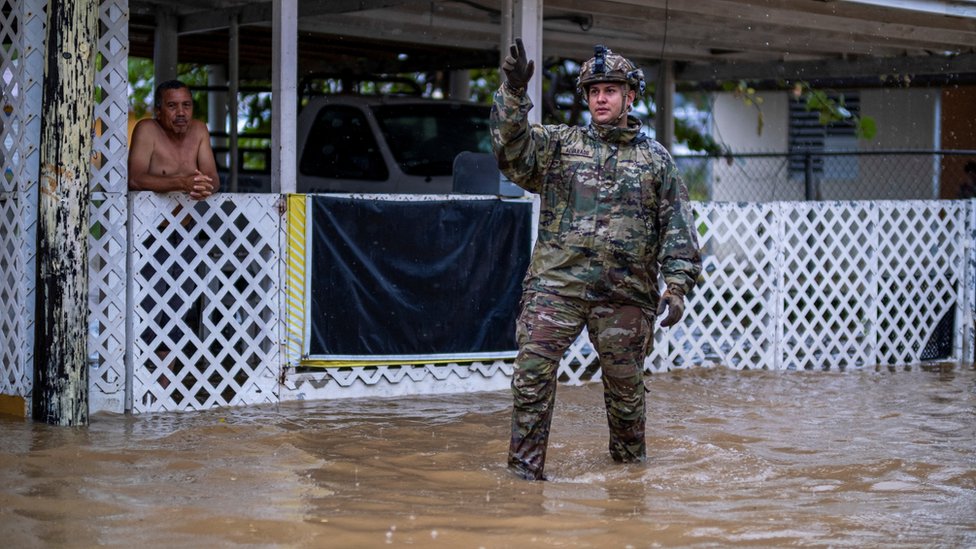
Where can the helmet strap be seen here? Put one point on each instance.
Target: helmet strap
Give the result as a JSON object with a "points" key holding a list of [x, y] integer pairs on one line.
{"points": [[624, 107]]}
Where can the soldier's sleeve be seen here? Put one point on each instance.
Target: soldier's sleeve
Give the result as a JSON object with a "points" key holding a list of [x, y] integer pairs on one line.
{"points": [[679, 254], [523, 150]]}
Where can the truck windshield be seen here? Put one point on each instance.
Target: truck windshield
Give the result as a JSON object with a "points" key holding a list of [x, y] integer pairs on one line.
{"points": [[425, 138]]}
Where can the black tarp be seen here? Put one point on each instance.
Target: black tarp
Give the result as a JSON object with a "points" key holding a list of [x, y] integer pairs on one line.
{"points": [[415, 278]]}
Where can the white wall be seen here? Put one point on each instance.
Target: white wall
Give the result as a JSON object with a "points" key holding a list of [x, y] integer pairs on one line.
{"points": [[907, 119], [736, 124]]}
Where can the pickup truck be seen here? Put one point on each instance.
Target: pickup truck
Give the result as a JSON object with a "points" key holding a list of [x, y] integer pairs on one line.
{"points": [[390, 144]]}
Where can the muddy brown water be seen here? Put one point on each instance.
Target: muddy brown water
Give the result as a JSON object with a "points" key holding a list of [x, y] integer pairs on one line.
{"points": [[737, 459]]}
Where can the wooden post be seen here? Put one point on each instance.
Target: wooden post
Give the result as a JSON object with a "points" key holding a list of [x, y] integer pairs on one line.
{"points": [[60, 393]]}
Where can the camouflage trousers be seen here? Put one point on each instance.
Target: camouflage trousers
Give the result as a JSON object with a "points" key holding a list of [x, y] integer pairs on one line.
{"points": [[547, 325]]}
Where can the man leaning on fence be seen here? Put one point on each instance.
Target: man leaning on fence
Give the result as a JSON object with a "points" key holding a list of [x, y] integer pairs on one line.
{"points": [[171, 152], [613, 213]]}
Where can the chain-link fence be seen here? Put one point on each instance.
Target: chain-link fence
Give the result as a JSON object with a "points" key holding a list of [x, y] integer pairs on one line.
{"points": [[853, 175]]}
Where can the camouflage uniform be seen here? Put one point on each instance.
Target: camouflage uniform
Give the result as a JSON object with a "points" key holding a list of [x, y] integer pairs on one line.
{"points": [[613, 209]]}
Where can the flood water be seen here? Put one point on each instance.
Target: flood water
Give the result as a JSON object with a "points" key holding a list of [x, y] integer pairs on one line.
{"points": [[736, 459]]}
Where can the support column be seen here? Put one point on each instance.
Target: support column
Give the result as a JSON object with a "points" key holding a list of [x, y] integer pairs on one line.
{"points": [[233, 93], [217, 110], [61, 361], [527, 20], [284, 96], [460, 86], [165, 46], [664, 104]]}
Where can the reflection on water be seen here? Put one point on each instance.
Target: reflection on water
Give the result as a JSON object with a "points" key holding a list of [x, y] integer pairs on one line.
{"points": [[735, 459]]}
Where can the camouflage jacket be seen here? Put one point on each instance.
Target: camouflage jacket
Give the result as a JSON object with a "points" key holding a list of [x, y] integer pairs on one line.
{"points": [[613, 207]]}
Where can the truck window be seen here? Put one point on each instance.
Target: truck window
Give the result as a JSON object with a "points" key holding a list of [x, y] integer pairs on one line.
{"points": [[340, 145], [424, 139]]}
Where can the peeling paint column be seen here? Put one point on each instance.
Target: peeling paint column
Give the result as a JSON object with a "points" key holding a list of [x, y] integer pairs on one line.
{"points": [[60, 362]]}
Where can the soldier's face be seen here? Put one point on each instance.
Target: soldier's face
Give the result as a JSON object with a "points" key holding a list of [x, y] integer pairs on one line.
{"points": [[175, 110], [607, 100]]}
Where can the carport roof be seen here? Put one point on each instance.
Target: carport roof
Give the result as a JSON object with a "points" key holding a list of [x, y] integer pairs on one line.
{"points": [[709, 39]]}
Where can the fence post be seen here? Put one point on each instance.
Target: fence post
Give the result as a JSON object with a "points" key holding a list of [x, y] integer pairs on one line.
{"points": [[969, 308], [779, 228], [810, 186]]}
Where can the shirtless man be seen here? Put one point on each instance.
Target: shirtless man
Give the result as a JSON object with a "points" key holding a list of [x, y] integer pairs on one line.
{"points": [[171, 152]]}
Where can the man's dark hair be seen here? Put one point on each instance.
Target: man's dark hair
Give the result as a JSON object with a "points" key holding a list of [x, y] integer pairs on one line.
{"points": [[167, 85], [970, 167]]}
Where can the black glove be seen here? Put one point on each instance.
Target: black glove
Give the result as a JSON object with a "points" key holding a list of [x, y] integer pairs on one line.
{"points": [[517, 67], [674, 300]]}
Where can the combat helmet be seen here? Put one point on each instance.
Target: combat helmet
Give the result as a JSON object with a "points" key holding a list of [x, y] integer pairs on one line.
{"points": [[606, 66]]}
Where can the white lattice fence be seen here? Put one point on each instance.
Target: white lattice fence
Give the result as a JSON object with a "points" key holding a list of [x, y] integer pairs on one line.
{"points": [[828, 284], [205, 298], [107, 240], [731, 316], [818, 285], [921, 278], [21, 73]]}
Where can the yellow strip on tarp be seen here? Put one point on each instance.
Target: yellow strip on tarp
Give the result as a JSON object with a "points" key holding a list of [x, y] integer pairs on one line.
{"points": [[295, 277], [321, 363]]}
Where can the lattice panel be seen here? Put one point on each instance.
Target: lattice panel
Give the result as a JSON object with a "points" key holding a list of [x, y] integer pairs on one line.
{"points": [[829, 274], [110, 147], [387, 381], [814, 285], [920, 276], [21, 75], [14, 375], [730, 316], [205, 294], [107, 304], [107, 240]]}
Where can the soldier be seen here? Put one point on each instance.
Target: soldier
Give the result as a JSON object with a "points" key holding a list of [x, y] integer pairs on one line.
{"points": [[613, 212]]}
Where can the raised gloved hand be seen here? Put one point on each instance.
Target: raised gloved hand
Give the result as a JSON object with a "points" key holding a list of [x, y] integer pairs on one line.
{"points": [[517, 67], [673, 300]]}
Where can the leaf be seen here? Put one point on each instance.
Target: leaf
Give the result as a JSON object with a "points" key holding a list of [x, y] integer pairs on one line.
{"points": [[866, 127]]}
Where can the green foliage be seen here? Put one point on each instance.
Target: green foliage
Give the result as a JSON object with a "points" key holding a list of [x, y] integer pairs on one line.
{"points": [[833, 111], [829, 110], [484, 82], [561, 105], [140, 86]]}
